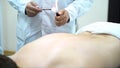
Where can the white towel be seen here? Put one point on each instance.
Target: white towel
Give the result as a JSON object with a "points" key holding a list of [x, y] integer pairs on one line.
{"points": [[102, 27]]}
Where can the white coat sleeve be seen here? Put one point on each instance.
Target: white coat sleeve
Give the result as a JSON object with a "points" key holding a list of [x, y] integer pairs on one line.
{"points": [[78, 8], [19, 5]]}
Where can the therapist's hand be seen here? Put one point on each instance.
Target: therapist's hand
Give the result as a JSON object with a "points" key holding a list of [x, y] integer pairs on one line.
{"points": [[62, 18], [32, 9]]}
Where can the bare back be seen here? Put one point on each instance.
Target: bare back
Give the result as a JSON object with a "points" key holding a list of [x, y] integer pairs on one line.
{"points": [[62, 50]]}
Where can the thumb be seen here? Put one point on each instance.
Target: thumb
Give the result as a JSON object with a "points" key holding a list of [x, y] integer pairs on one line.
{"points": [[61, 12]]}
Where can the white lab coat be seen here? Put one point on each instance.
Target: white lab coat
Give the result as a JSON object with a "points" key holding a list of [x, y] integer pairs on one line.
{"points": [[31, 28]]}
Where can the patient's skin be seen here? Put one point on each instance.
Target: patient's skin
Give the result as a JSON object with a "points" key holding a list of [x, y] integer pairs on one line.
{"points": [[61, 50]]}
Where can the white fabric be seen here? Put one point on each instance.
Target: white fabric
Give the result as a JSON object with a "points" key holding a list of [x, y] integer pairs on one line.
{"points": [[31, 28], [102, 27]]}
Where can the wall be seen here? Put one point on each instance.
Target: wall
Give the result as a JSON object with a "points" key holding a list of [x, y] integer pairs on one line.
{"points": [[9, 26], [1, 30], [98, 12]]}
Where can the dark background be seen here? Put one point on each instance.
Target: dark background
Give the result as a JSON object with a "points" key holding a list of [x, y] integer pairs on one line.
{"points": [[114, 11]]}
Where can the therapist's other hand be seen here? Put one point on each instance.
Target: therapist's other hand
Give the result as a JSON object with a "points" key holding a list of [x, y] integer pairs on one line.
{"points": [[62, 18], [32, 9]]}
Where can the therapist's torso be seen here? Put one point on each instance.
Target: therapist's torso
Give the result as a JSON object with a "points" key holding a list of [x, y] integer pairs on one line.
{"points": [[44, 22]]}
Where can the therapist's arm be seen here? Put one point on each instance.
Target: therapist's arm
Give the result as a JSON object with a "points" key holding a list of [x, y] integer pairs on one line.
{"points": [[32, 9], [19, 5], [78, 8], [70, 13], [23, 6]]}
